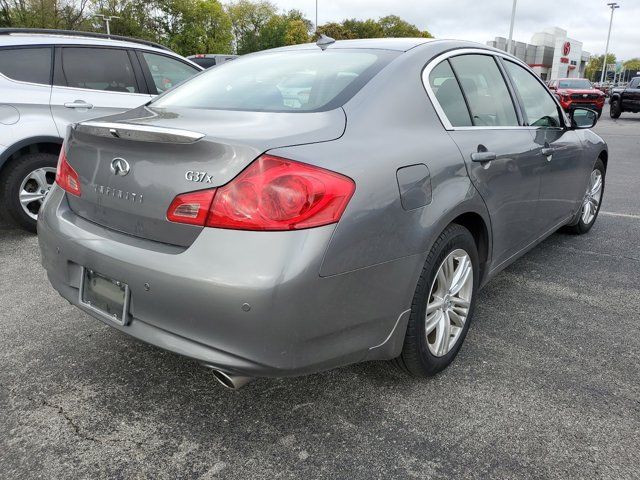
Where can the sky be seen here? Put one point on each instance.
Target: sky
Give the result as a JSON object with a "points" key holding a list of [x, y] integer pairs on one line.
{"points": [[482, 20]]}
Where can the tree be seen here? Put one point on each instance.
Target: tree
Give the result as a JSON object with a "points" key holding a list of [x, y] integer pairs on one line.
{"points": [[248, 19], [195, 26], [336, 31], [61, 14], [633, 65], [394, 26], [595, 65], [389, 26]]}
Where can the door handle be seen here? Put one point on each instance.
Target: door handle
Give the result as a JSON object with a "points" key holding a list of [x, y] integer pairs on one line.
{"points": [[483, 156], [547, 151], [78, 104]]}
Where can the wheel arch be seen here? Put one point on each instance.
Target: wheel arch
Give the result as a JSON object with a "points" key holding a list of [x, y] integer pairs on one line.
{"points": [[604, 156], [40, 144], [476, 224]]}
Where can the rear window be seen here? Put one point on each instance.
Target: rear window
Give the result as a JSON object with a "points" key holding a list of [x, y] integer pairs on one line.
{"points": [[26, 64], [293, 81]]}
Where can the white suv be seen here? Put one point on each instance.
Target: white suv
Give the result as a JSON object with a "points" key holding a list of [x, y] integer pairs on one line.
{"points": [[51, 78]]}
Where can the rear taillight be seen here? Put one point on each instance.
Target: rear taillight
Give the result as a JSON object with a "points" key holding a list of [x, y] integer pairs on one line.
{"points": [[66, 176], [273, 193], [191, 208]]}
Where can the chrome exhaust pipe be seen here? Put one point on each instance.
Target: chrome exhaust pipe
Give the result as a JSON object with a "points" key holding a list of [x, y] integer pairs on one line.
{"points": [[229, 380]]}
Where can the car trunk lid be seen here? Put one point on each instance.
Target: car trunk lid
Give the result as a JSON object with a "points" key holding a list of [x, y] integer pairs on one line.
{"points": [[169, 152]]}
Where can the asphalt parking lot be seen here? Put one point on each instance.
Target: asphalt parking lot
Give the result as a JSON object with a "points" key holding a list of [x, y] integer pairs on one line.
{"points": [[547, 384]]}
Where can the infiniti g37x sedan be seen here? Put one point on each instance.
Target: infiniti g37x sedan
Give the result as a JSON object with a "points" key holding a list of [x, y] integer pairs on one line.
{"points": [[267, 230]]}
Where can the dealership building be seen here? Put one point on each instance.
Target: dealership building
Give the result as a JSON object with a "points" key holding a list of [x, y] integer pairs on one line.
{"points": [[551, 53]]}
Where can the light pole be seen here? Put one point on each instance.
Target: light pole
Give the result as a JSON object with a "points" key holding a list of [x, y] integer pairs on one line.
{"points": [[513, 18], [316, 16], [107, 19], [612, 6]]}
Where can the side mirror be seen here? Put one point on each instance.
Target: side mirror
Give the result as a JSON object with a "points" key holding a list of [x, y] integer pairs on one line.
{"points": [[583, 118]]}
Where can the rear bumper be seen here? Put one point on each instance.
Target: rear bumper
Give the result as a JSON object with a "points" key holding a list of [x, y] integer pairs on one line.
{"points": [[298, 322]]}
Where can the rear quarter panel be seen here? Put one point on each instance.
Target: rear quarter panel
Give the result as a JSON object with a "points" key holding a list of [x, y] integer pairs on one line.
{"points": [[391, 124]]}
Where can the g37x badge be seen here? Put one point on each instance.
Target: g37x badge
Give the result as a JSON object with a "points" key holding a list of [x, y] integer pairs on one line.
{"points": [[198, 177]]}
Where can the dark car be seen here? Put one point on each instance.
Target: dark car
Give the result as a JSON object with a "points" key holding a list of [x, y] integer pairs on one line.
{"points": [[268, 225], [625, 99], [208, 60], [577, 92]]}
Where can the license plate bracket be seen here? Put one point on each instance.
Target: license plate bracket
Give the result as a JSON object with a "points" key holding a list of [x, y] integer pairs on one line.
{"points": [[105, 296]]}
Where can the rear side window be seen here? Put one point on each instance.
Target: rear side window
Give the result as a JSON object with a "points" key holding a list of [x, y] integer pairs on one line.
{"points": [[26, 64], [106, 69], [485, 90], [540, 109], [167, 72], [290, 81], [444, 85]]}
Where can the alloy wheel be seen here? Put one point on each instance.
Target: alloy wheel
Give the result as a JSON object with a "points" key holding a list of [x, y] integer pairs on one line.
{"points": [[34, 188], [449, 302], [592, 197]]}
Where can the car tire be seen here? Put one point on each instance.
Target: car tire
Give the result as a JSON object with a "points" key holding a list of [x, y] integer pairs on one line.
{"points": [[585, 220], [420, 356], [615, 110], [599, 113], [32, 173]]}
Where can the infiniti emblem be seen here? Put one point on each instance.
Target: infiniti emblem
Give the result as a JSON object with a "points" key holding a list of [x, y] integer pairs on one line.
{"points": [[119, 166]]}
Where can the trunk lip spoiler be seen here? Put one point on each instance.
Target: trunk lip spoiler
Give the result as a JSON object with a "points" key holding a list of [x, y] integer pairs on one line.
{"points": [[142, 133]]}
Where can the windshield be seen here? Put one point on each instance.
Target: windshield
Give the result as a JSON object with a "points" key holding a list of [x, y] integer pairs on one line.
{"points": [[579, 83], [286, 81]]}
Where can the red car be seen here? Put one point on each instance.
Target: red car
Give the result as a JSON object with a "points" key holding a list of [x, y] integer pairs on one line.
{"points": [[577, 92]]}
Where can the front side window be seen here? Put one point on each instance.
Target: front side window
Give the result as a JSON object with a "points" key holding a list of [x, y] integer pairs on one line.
{"points": [[167, 72], [485, 90], [539, 107], [290, 81], [26, 64], [445, 87], [106, 69]]}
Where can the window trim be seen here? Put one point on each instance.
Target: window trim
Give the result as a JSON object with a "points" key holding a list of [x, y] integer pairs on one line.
{"points": [[431, 64], [20, 47]]}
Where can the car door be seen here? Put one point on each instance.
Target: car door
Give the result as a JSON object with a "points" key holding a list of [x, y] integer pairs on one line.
{"points": [[564, 174], [93, 82], [481, 116], [633, 91], [163, 72]]}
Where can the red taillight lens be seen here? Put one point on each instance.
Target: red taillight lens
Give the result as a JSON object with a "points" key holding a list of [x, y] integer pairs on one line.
{"points": [[191, 208], [66, 176], [273, 193]]}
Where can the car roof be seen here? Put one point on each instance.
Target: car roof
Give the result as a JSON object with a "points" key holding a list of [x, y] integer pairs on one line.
{"points": [[20, 39], [398, 44]]}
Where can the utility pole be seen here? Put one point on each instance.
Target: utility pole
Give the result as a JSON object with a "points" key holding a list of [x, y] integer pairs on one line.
{"points": [[612, 6], [107, 19], [513, 18], [316, 16]]}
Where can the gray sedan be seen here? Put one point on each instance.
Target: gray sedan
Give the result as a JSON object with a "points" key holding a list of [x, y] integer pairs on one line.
{"points": [[266, 235]]}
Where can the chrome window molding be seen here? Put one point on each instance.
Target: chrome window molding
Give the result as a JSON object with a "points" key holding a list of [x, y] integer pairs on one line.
{"points": [[22, 82], [478, 51]]}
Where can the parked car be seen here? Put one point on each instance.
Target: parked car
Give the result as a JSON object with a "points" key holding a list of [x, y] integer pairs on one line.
{"points": [[578, 92], [270, 238], [625, 99], [51, 78], [208, 60]]}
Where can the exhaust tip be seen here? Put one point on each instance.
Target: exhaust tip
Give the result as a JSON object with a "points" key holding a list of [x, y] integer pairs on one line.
{"points": [[229, 380]]}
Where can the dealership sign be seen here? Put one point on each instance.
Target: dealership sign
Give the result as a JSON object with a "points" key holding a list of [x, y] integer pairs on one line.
{"points": [[566, 48]]}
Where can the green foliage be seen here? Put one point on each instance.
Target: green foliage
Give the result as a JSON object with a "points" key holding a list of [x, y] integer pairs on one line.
{"points": [[389, 26], [595, 65], [197, 26], [632, 64]]}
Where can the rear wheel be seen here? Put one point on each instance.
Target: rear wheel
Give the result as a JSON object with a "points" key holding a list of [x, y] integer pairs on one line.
{"points": [[442, 305], [25, 185], [591, 201], [616, 109]]}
